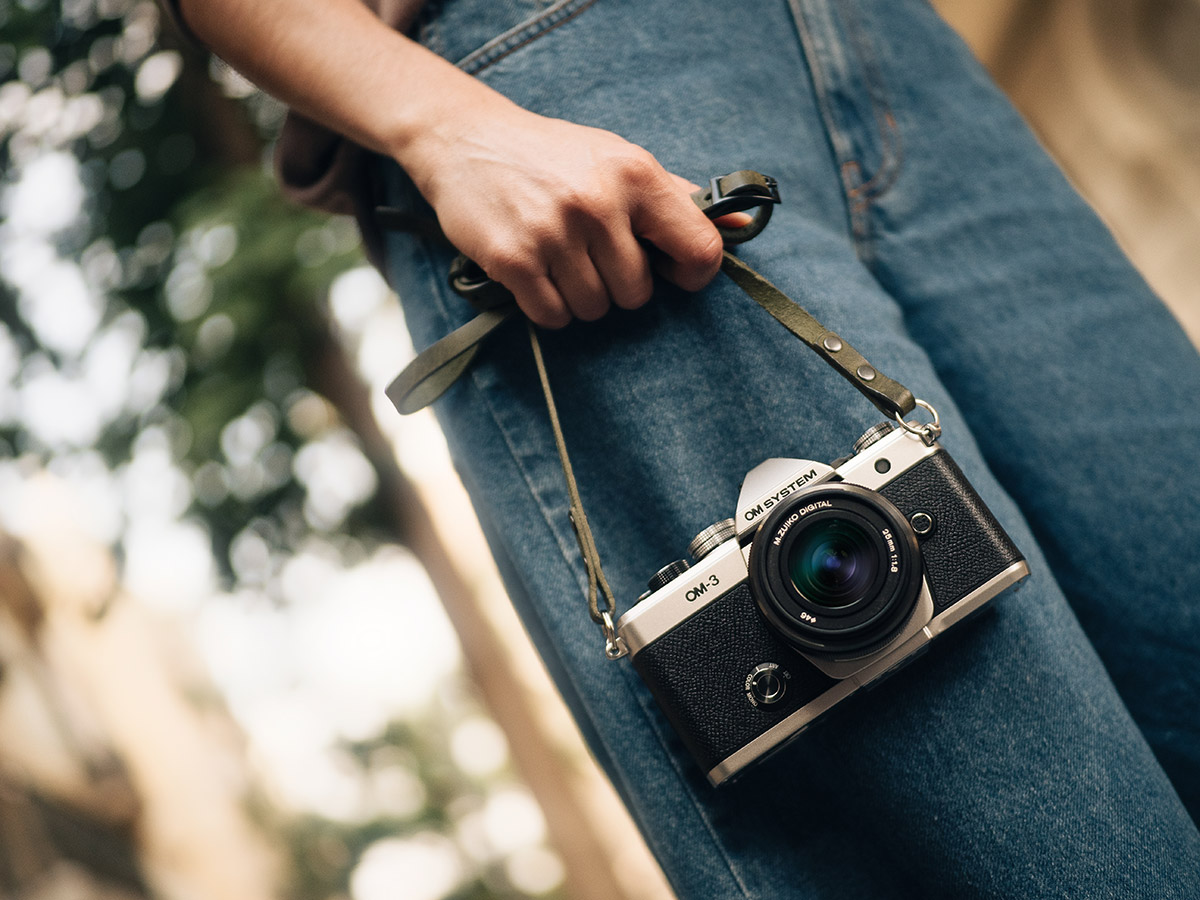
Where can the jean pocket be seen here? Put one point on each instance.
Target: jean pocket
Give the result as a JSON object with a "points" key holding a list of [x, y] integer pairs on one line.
{"points": [[474, 34]]}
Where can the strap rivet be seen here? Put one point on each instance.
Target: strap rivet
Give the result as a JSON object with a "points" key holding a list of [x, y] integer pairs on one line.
{"points": [[866, 373], [832, 343]]}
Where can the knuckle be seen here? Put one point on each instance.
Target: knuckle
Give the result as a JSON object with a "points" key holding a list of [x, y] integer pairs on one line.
{"points": [[508, 260], [584, 221], [548, 237], [592, 307], [589, 207], [641, 161], [575, 201], [638, 293], [634, 164]]}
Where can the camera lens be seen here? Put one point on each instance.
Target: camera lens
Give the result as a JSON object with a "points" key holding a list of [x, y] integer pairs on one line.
{"points": [[836, 570], [833, 563]]}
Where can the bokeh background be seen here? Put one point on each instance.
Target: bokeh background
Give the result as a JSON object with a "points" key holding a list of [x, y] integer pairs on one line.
{"points": [[243, 654]]}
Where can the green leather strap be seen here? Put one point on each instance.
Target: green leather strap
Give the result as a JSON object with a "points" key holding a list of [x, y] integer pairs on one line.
{"points": [[433, 371], [429, 375], [890, 397]]}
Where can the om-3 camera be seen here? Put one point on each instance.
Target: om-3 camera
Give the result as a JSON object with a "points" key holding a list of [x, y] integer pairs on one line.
{"points": [[828, 578]]}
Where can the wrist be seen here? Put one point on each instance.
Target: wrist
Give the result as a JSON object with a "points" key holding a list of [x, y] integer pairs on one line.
{"points": [[447, 113]]}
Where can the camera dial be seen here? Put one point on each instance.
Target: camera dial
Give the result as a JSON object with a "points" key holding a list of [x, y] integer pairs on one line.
{"points": [[836, 570], [767, 684], [872, 435], [667, 574], [711, 538]]}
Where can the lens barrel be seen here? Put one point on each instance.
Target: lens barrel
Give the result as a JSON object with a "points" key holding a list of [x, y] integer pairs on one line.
{"points": [[836, 570]]}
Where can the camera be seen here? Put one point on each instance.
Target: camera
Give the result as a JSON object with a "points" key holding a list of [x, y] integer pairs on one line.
{"points": [[829, 578]]}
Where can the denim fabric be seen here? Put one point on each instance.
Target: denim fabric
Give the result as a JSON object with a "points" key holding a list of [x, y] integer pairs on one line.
{"points": [[1049, 749]]}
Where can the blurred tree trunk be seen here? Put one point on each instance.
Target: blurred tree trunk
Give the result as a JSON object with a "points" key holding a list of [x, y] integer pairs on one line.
{"points": [[115, 782]]}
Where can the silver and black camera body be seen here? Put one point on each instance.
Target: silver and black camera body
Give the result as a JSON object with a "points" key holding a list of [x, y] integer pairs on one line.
{"points": [[827, 579]]}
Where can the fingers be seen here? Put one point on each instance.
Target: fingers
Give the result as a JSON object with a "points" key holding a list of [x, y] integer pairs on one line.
{"points": [[669, 219], [581, 287], [625, 268], [600, 258], [579, 237], [541, 301], [577, 272], [571, 288], [615, 268]]}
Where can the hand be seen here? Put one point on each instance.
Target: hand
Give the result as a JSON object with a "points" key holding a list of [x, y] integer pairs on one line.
{"points": [[569, 218]]}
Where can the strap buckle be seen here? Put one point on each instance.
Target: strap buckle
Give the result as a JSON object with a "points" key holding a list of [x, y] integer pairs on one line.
{"points": [[740, 191], [470, 282], [737, 192], [927, 432]]}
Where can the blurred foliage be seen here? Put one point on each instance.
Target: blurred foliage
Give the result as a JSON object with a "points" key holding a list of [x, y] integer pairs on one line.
{"points": [[319, 847], [184, 229], [182, 269]]}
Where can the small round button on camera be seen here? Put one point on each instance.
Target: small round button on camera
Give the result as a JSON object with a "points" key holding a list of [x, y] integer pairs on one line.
{"points": [[922, 523], [766, 685]]}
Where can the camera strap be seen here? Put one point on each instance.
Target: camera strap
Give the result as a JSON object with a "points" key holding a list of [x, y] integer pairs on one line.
{"points": [[889, 397], [435, 369]]}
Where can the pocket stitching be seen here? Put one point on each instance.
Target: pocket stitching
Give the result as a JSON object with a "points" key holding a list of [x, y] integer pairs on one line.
{"points": [[522, 34]]}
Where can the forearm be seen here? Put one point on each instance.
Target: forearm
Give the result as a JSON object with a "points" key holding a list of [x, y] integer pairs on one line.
{"points": [[340, 65]]}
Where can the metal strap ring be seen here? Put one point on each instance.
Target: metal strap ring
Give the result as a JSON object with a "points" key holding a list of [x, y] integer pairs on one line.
{"points": [[930, 431], [614, 647]]}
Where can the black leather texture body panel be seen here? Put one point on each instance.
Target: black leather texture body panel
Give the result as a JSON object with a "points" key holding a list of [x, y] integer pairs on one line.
{"points": [[967, 546], [698, 672]]}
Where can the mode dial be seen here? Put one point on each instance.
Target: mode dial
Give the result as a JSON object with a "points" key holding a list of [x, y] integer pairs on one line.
{"points": [[667, 574], [872, 434], [711, 538]]}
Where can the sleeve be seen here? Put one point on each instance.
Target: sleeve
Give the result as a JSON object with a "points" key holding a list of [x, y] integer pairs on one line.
{"points": [[175, 15]]}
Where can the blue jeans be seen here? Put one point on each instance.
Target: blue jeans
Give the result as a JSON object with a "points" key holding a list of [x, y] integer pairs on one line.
{"points": [[1050, 749]]}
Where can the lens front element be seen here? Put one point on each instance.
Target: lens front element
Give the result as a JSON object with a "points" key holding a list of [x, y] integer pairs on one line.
{"points": [[836, 569], [834, 563]]}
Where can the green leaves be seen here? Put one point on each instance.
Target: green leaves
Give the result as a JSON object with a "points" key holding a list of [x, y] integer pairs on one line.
{"points": [[135, 176]]}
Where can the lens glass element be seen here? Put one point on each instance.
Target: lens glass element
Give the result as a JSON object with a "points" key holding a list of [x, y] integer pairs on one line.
{"points": [[833, 563]]}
